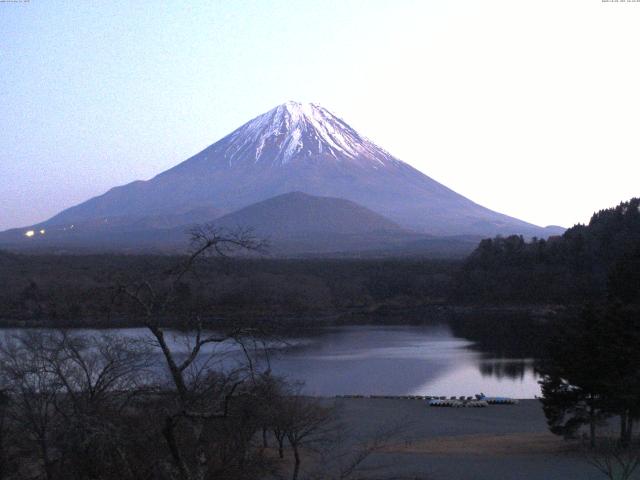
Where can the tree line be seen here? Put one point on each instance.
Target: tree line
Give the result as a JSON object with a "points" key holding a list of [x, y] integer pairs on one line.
{"points": [[588, 357], [574, 268], [78, 290], [590, 360]]}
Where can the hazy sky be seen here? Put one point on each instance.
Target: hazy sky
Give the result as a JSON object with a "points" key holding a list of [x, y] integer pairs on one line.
{"points": [[531, 108]]}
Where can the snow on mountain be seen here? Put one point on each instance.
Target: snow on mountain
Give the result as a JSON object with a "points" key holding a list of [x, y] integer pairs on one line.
{"points": [[298, 131]]}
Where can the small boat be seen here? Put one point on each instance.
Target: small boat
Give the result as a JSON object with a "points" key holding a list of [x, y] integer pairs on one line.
{"points": [[455, 403], [436, 402], [497, 400], [477, 403]]}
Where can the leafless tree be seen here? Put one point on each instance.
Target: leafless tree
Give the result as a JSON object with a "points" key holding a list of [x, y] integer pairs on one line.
{"points": [[66, 393], [270, 391], [305, 424], [5, 456], [155, 301], [201, 396], [34, 394], [346, 455], [101, 376], [614, 459], [95, 406], [96, 372]]}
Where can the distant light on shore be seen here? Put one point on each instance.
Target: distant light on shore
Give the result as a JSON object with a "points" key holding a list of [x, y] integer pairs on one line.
{"points": [[29, 233], [42, 231]]}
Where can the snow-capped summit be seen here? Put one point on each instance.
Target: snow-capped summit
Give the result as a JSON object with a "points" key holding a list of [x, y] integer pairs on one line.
{"points": [[295, 147], [300, 131]]}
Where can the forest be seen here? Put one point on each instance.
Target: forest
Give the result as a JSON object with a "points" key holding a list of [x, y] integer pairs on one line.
{"points": [[571, 269], [503, 272], [73, 290]]}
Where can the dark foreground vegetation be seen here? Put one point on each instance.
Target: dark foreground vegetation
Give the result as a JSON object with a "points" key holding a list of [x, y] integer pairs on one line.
{"points": [[591, 365], [83, 407], [74, 406]]}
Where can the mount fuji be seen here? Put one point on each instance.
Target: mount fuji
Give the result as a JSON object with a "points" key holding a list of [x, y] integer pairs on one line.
{"points": [[295, 147]]}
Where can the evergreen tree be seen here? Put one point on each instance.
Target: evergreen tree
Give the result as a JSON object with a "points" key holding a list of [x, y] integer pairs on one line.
{"points": [[571, 381], [592, 371]]}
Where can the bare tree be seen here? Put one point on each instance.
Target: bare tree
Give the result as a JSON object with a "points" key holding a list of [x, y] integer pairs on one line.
{"points": [[614, 459], [156, 301], [346, 455], [270, 390], [200, 398], [67, 393], [34, 393], [94, 406], [101, 377], [305, 424], [5, 457], [96, 372]]}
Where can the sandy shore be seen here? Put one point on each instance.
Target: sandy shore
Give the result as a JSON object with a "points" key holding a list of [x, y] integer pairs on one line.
{"points": [[509, 442]]}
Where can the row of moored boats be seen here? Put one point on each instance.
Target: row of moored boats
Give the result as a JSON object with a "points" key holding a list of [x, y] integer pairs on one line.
{"points": [[479, 400]]}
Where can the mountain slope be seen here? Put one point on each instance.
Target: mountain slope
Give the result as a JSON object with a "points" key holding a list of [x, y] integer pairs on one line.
{"points": [[294, 224], [298, 147], [299, 214]]}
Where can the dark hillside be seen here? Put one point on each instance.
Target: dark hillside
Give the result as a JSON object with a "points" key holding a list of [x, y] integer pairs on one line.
{"points": [[573, 268]]}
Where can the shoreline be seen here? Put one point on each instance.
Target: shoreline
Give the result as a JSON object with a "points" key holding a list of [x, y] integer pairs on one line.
{"points": [[385, 314], [510, 442]]}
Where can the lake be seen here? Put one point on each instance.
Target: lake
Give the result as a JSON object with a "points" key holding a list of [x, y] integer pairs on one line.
{"points": [[401, 360], [384, 360]]}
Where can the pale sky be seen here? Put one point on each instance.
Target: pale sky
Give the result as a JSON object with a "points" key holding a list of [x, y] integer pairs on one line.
{"points": [[531, 108]]}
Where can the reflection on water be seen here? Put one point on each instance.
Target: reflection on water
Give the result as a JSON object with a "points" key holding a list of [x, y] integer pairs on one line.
{"points": [[381, 360], [402, 360], [512, 368]]}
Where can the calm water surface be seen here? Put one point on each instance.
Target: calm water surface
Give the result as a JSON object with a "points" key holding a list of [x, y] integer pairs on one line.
{"points": [[384, 360], [402, 360]]}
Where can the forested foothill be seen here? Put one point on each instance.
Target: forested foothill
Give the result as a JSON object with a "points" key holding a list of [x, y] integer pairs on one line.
{"points": [[574, 268], [77, 290]]}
